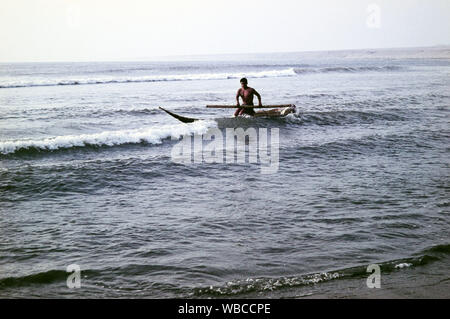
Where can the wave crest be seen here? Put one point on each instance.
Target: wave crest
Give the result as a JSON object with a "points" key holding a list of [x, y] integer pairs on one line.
{"points": [[347, 69], [291, 71], [149, 78], [153, 135], [251, 285]]}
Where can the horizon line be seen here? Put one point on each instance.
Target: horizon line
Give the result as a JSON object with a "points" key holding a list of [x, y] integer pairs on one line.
{"points": [[157, 58]]}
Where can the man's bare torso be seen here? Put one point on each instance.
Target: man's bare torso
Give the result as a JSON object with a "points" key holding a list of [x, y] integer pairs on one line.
{"points": [[247, 95]]}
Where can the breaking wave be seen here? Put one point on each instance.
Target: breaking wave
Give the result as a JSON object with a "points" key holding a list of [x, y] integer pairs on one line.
{"points": [[149, 78], [347, 69], [250, 285], [291, 71], [153, 135], [234, 288]]}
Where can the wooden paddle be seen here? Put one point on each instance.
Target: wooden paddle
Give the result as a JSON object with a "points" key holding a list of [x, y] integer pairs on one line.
{"points": [[247, 106]]}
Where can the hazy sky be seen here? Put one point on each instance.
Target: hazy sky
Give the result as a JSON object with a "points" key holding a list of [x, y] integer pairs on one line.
{"points": [[80, 30]]}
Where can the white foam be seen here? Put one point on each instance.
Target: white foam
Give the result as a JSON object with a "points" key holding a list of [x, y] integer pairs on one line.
{"points": [[403, 265], [149, 78], [153, 135]]}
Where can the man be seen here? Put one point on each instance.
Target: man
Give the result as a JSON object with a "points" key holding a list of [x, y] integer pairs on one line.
{"points": [[246, 93]]}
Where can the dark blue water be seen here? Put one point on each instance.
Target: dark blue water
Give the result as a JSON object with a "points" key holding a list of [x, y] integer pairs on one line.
{"points": [[87, 177]]}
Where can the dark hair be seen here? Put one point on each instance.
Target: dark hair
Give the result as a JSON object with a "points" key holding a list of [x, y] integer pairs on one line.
{"points": [[243, 80]]}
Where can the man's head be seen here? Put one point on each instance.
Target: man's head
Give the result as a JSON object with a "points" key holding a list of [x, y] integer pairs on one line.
{"points": [[244, 82]]}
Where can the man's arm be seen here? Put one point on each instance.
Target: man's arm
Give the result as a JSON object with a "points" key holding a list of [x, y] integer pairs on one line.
{"points": [[258, 96], [237, 97]]}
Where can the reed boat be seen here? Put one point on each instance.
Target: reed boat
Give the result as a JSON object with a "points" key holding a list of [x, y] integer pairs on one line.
{"points": [[274, 111]]}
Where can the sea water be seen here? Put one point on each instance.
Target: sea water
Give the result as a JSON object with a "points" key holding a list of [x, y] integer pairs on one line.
{"points": [[87, 178]]}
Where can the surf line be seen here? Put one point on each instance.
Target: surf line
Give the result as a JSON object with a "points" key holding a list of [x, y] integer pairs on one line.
{"points": [[235, 147]]}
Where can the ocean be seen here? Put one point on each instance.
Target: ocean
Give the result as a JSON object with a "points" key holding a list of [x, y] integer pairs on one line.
{"points": [[88, 179]]}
